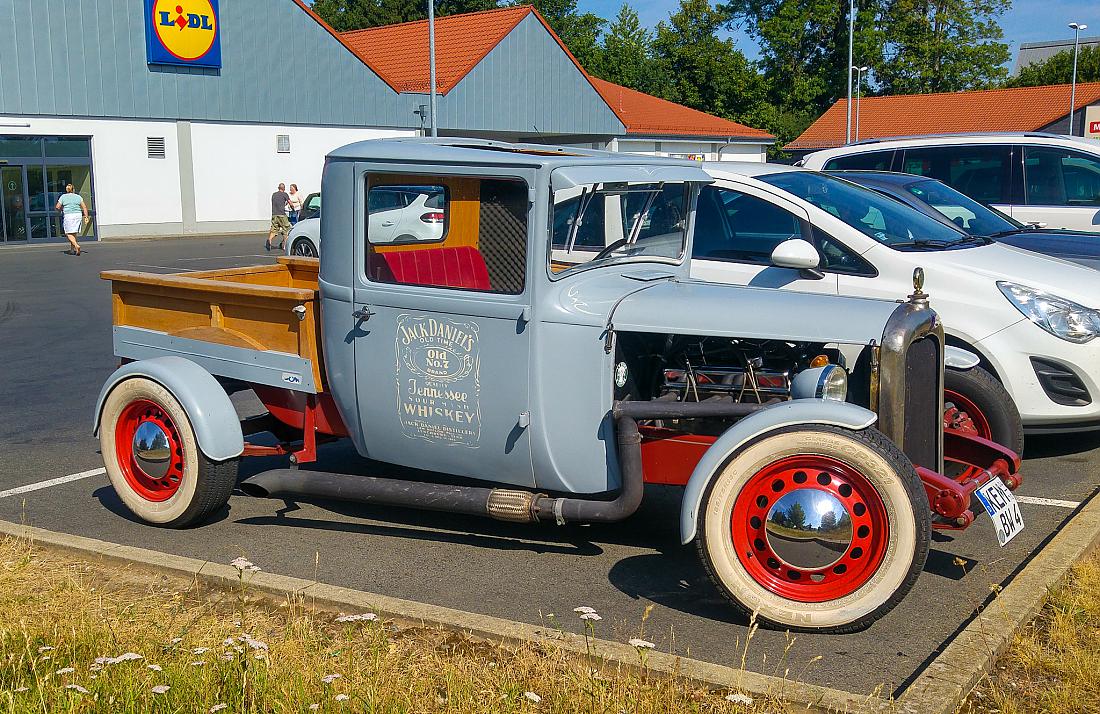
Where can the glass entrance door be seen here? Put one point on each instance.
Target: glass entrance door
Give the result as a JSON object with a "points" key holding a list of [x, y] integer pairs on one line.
{"points": [[13, 203]]}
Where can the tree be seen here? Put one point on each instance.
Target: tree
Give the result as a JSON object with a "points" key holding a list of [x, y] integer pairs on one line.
{"points": [[1058, 69], [346, 15], [941, 46], [796, 516], [627, 57], [828, 521]]}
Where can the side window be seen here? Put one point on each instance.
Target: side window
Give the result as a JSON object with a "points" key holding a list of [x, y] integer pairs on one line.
{"points": [[448, 232], [1060, 177], [738, 227], [837, 258], [868, 161], [981, 172]]}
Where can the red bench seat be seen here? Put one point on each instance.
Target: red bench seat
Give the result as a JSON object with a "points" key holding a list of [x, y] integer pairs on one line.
{"points": [[457, 267]]}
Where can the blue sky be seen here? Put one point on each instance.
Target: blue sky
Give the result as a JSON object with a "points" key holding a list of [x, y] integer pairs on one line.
{"points": [[1027, 21]]}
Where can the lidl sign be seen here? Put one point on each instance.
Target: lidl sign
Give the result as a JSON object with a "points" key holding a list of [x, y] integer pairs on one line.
{"points": [[183, 32]]}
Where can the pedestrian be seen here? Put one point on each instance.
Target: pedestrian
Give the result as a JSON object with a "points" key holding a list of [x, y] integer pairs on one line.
{"points": [[295, 202], [280, 224], [72, 206]]}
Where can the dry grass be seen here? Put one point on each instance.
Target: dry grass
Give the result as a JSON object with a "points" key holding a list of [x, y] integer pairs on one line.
{"points": [[1054, 663], [58, 612]]}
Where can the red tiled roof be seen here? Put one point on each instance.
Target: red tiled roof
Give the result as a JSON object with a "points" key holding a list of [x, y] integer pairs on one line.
{"points": [[1015, 109], [399, 53], [642, 113]]}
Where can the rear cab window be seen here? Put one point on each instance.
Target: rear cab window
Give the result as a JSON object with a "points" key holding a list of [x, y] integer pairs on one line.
{"points": [[455, 232]]}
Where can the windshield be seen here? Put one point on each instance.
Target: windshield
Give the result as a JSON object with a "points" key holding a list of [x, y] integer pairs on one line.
{"points": [[975, 218], [608, 222], [888, 221]]}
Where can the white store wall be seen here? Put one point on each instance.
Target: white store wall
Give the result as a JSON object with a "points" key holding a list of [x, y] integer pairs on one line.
{"points": [[709, 150]]}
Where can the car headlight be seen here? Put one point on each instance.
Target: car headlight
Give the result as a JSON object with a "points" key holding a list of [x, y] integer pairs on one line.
{"points": [[828, 382], [1060, 317]]}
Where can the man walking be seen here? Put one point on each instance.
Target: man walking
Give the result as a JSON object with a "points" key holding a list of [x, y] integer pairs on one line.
{"points": [[280, 224]]}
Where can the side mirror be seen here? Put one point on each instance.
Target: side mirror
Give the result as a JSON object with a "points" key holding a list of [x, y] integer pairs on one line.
{"points": [[796, 253]]}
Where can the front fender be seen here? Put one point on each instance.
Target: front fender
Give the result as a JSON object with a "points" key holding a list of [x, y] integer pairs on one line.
{"points": [[810, 412], [958, 358], [213, 418]]}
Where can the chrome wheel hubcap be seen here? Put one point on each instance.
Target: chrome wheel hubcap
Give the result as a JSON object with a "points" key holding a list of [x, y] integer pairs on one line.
{"points": [[152, 451], [809, 528]]}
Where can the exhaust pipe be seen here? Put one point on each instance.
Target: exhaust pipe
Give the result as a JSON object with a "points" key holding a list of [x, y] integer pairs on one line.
{"points": [[501, 504]]}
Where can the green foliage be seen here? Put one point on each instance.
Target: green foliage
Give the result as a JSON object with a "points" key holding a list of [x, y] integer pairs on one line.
{"points": [[580, 31], [796, 516], [1058, 69], [828, 521], [941, 46], [627, 57]]}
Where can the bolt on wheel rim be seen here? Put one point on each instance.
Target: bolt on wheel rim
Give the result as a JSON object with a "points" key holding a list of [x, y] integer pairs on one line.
{"points": [[149, 450], [810, 528]]}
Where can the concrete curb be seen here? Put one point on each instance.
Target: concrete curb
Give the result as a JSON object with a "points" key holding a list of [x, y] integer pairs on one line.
{"points": [[970, 655], [809, 697]]}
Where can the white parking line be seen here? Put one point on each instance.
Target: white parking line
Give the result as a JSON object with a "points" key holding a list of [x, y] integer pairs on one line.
{"points": [[225, 257], [52, 482], [1036, 501]]}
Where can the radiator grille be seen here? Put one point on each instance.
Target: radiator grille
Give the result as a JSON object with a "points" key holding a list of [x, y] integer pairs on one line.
{"points": [[923, 420]]}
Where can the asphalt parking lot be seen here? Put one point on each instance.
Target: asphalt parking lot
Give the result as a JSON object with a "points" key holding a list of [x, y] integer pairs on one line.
{"points": [[55, 352]]}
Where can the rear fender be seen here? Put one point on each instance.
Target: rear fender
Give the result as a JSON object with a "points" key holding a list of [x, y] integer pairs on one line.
{"points": [[213, 418], [809, 412]]}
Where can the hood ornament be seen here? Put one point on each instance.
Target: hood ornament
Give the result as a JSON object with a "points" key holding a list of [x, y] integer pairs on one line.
{"points": [[919, 296]]}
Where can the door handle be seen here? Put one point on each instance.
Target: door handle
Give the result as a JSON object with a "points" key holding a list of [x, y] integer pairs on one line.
{"points": [[362, 315], [387, 224]]}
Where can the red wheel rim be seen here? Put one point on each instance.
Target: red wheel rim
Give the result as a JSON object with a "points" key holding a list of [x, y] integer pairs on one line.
{"points": [[968, 409], [157, 481], [870, 528]]}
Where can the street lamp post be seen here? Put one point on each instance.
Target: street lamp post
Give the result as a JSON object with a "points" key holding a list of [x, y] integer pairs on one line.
{"points": [[859, 79], [1076, 27], [851, 39], [431, 64]]}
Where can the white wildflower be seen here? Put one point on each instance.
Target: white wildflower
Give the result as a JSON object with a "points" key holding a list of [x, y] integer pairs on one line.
{"points": [[20, 690], [585, 610], [125, 657], [198, 664], [154, 667], [365, 617], [739, 699], [160, 689], [228, 642], [330, 678], [260, 655], [200, 650], [341, 697], [93, 676], [238, 649], [176, 640], [218, 708], [314, 707], [45, 648], [241, 564], [227, 657], [76, 688], [591, 616], [531, 696], [95, 667], [65, 670], [255, 644], [641, 644]]}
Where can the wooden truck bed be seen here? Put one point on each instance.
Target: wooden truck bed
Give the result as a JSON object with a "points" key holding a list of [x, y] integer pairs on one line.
{"points": [[259, 324]]}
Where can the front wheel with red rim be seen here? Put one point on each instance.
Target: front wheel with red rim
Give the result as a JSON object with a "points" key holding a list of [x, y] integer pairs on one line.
{"points": [[976, 403], [815, 528], [153, 460]]}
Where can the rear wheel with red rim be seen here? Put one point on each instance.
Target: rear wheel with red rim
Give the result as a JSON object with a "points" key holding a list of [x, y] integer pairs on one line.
{"points": [[815, 528], [153, 460]]}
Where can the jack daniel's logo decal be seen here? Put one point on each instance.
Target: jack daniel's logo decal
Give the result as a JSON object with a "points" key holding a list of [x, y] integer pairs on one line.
{"points": [[438, 380]]}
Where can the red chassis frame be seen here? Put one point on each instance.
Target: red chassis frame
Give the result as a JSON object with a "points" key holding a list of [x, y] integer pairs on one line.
{"points": [[668, 456]]}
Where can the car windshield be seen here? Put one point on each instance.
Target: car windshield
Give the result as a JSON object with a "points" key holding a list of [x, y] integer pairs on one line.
{"points": [[600, 223], [885, 219], [975, 218]]}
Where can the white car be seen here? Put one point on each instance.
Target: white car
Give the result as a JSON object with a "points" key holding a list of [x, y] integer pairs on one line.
{"points": [[396, 214], [1031, 319], [1046, 180]]}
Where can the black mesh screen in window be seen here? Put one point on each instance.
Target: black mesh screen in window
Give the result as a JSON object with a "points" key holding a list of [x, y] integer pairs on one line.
{"points": [[502, 238]]}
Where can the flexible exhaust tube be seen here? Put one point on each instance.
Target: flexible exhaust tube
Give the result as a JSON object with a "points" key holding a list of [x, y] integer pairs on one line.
{"points": [[501, 504]]}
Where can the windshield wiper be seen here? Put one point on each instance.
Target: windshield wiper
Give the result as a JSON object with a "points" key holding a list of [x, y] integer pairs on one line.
{"points": [[920, 243], [1012, 232], [984, 240]]}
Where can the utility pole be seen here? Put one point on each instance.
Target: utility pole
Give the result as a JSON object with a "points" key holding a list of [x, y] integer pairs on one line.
{"points": [[431, 64], [851, 41], [1076, 27], [859, 81]]}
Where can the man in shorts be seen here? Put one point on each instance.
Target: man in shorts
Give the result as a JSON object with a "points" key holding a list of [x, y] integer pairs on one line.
{"points": [[280, 224]]}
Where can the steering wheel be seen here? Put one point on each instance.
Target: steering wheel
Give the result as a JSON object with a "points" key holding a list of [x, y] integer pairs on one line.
{"points": [[611, 248]]}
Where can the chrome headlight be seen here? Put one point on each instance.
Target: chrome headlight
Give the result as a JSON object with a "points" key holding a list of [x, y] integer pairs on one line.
{"points": [[828, 382], [1060, 317]]}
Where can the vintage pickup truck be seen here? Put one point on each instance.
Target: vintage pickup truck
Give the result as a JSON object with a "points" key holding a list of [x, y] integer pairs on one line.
{"points": [[807, 430]]}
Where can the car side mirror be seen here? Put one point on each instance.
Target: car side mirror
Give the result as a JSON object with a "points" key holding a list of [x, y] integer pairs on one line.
{"points": [[796, 253]]}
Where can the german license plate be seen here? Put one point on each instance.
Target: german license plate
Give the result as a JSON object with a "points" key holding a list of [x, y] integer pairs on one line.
{"points": [[1003, 508]]}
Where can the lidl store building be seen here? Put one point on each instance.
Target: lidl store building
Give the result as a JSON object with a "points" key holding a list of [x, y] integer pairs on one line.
{"points": [[178, 117]]}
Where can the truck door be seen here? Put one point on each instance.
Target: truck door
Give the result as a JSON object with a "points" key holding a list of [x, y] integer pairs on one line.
{"points": [[442, 342]]}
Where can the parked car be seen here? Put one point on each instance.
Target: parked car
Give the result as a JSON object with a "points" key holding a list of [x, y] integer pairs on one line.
{"points": [[944, 203], [1031, 319], [311, 207], [1047, 180], [304, 239], [561, 389]]}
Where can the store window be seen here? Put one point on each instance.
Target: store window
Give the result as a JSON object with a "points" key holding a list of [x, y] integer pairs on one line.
{"points": [[33, 174]]}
